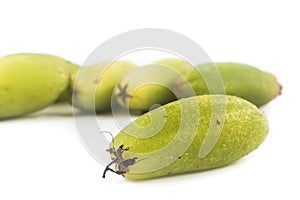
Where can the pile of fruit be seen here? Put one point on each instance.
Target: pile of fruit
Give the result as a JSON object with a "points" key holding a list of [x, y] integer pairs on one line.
{"points": [[191, 103]]}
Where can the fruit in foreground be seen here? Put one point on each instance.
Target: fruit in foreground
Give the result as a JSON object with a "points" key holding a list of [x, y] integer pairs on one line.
{"points": [[192, 134]]}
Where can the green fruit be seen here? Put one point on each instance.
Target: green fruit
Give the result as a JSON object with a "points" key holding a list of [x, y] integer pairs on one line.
{"points": [[189, 135], [235, 79], [240, 80], [30, 82], [146, 86], [94, 85], [152, 85]]}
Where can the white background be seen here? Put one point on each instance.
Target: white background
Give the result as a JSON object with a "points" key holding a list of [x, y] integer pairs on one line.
{"points": [[41, 156]]}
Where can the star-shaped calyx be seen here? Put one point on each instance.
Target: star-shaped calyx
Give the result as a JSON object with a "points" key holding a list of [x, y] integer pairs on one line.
{"points": [[123, 93]]}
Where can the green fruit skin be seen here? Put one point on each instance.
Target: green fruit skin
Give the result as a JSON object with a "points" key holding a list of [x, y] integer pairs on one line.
{"points": [[147, 86], [66, 96], [180, 66], [146, 95], [149, 95], [30, 82], [94, 85], [240, 80], [245, 128]]}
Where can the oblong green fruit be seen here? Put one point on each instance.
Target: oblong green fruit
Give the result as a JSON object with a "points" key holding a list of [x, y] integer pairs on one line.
{"points": [[171, 139], [94, 85], [236, 79], [146, 86], [240, 80], [152, 85], [30, 82]]}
